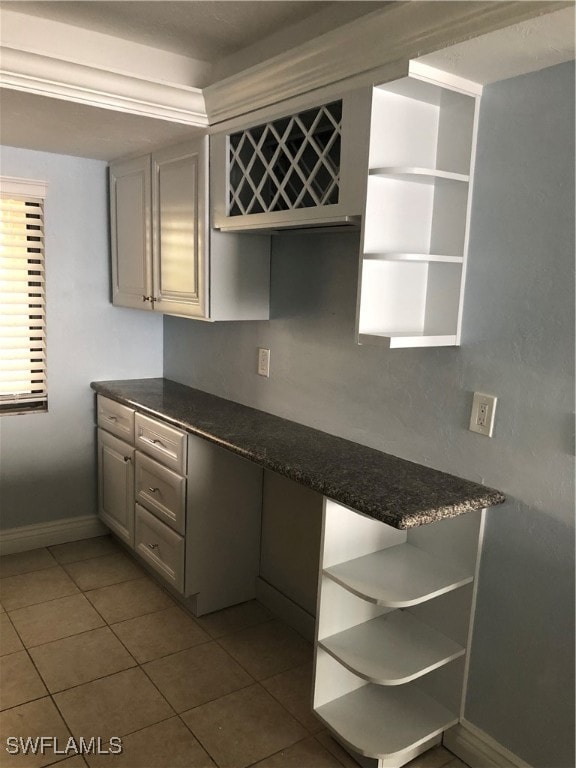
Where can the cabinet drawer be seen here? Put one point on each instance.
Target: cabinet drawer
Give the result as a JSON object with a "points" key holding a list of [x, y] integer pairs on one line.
{"points": [[161, 547], [116, 418], [164, 443], [161, 491]]}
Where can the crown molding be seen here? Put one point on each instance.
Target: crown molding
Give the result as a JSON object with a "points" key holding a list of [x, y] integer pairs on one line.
{"points": [[61, 79], [402, 30], [360, 52]]}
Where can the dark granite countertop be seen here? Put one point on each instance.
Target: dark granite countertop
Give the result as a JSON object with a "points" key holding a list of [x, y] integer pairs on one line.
{"points": [[397, 492]]}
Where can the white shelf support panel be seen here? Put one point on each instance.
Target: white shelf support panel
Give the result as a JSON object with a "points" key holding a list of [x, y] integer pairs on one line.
{"points": [[398, 577], [422, 257], [392, 649], [407, 340], [380, 722], [420, 175], [415, 226]]}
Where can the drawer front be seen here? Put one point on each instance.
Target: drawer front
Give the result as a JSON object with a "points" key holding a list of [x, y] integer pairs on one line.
{"points": [[162, 442], [161, 547], [161, 491], [116, 418]]}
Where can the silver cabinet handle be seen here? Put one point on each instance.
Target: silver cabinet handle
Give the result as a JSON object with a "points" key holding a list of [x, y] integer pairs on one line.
{"points": [[112, 418], [153, 441], [152, 546], [127, 458], [154, 490]]}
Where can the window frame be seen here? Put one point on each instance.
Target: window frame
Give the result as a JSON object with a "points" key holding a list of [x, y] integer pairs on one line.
{"points": [[34, 399]]}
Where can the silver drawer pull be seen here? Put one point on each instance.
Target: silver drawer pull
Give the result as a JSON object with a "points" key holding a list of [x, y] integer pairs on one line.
{"points": [[152, 546], [153, 441], [112, 418], [127, 458], [154, 490]]}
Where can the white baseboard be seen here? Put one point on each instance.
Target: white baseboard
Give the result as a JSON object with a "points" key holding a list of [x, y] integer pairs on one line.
{"points": [[28, 537], [479, 750]]}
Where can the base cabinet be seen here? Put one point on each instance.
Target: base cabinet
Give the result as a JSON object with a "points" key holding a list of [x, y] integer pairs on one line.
{"points": [[223, 511], [188, 508], [393, 627]]}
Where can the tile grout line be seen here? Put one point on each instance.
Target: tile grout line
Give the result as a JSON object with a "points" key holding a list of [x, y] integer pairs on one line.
{"points": [[137, 664]]}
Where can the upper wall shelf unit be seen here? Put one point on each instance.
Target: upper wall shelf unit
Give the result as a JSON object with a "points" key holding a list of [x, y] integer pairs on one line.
{"points": [[415, 224]]}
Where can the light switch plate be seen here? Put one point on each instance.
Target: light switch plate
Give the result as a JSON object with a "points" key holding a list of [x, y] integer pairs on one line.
{"points": [[483, 413]]}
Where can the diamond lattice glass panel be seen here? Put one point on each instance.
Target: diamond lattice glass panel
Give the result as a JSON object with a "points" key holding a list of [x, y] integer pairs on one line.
{"points": [[292, 162]]}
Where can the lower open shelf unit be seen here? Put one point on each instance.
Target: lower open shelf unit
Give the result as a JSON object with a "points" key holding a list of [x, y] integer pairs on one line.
{"points": [[393, 625], [380, 722]]}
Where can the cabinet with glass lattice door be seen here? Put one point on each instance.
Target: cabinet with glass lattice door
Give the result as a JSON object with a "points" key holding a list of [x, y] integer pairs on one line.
{"points": [[300, 165]]}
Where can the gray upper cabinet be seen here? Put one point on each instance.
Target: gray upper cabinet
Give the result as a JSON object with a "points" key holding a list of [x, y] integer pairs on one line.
{"points": [[165, 257], [296, 166]]}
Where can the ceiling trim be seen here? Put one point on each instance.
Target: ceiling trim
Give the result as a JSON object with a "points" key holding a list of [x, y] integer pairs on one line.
{"points": [[57, 78], [403, 30], [359, 51]]}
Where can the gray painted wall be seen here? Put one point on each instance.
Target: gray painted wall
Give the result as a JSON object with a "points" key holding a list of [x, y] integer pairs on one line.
{"points": [[48, 460], [518, 344]]}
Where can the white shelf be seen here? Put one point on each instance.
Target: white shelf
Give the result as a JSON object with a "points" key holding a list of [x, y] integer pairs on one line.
{"points": [[392, 649], [423, 257], [421, 175], [398, 577], [385, 722], [397, 340]]}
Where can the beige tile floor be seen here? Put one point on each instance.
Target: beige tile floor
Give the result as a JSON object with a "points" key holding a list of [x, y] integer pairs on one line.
{"points": [[91, 646]]}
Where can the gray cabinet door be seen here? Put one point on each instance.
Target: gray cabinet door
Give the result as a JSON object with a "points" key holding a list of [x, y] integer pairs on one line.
{"points": [[179, 205], [130, 225], [116, 485]]}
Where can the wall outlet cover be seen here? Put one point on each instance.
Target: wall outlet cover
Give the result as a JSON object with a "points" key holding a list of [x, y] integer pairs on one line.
{"points": [[263, 362], [483, 413]]}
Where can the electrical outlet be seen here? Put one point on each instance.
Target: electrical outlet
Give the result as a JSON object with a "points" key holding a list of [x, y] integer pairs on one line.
{"points": [[483, 413], [263, 362]]}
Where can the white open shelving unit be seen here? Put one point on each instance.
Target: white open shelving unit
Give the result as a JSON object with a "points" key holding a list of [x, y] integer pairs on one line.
{"points": [[394, 616], [415, 224]]}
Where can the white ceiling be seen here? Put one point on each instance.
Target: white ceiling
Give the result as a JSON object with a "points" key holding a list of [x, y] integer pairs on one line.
{"points": [[224, 37], [207, 30], [67, 128]]}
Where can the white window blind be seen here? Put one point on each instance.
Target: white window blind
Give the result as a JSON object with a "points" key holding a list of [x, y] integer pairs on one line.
{"points": [[22, 302]]}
